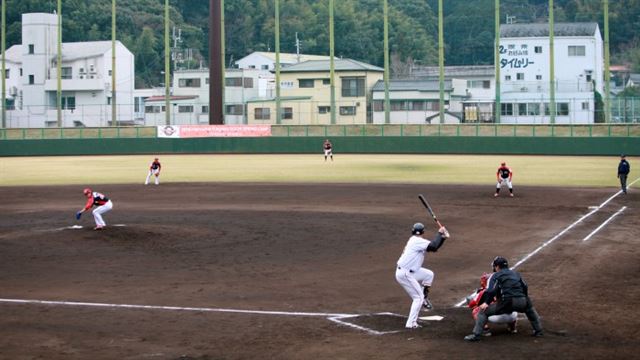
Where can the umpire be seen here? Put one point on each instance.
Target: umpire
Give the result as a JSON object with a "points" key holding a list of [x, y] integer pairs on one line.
{"points": [[511, 293]]}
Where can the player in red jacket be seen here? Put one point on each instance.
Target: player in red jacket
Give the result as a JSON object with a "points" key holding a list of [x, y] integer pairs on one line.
{"points": [[504, 176], [154, 169], [102, 204]]}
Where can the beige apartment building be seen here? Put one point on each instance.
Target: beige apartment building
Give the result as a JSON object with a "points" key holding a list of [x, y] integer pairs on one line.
{"points": [[305, 94]]}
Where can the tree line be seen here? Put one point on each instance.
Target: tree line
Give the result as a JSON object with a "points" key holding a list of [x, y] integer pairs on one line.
{"points": [[249, 26]]}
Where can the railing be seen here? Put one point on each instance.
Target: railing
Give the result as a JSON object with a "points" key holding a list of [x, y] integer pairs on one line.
{"points": [[452, 130]]}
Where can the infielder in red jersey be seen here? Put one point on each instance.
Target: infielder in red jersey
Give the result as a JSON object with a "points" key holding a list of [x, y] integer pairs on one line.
{"points": [[102, 204], [328, 149], [504, 176], [154, 169]]}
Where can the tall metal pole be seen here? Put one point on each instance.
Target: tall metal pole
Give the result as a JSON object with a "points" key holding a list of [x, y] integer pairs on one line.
{"points": [[59, 65], [114, 118], [387, 102], [496, 59], [216, 70], [552, 71], [223, 60], [4, 66], [277, 35], [331, 64], [167, 66], [607, 74], [441, 58]]}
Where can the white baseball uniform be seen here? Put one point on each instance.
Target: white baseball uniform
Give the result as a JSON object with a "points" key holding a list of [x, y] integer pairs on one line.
{"points": [[412, 276]]}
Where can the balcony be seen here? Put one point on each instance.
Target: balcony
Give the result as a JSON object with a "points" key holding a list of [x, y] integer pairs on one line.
{"points": [[564, 86], [96, 84]]}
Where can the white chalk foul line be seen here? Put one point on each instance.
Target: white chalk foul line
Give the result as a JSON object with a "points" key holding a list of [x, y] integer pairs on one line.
{"points": [[339, 320], [548, 242], [605, 223]]}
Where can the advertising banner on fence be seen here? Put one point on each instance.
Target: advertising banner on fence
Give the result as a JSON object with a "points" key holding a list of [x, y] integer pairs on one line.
{"points": [[193, 131]]}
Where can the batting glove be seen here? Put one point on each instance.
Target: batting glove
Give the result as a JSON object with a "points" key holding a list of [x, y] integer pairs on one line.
{"points": [[78, 215]]}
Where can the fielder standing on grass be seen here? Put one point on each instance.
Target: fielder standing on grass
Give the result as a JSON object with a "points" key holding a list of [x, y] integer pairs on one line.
{"points": [[328, 149], [504, 176], [623, 172], [410, 274], [154, 169], [102, 203]]}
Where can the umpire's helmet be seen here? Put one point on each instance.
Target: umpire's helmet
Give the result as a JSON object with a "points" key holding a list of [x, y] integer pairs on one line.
{"points": [[418, 229], [500, 262]]}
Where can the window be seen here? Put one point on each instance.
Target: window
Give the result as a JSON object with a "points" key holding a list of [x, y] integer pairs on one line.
{"points": [[287, 113], [32, 49], [538, 77], [585, 105], [506, 109], [538, 49], [20, 71], [347, 110], [563, 109], [417, 105], [68, 102], [205, 109], [252, 66], [192, 83], [326, 81], [264, 67], [66, 73], [152, 109], [398, 105], [262, 114], [520, 76], [6, 73], [233, 82], [533, 109], [236, 109], [575, 50], [306, 83], [478, 84], [522, 109], [352, 87], [378, 105], [185, 108], [32, 79], [324, 109], [138, 103], [524, 46], [206, 81], [248, 83], [10, 104], [109, 100], [110, 73], [507, 77]]}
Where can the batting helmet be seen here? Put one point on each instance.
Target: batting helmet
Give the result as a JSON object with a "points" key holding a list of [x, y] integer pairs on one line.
{"points": [[500, 262], [418, 229], [86, 191]]}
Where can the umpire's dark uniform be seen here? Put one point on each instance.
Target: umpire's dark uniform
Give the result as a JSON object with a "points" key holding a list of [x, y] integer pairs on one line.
{"points": [[511, 293]]}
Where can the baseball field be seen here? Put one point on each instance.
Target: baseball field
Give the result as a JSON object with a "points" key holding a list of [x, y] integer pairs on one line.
{"points": [[292, 257]]}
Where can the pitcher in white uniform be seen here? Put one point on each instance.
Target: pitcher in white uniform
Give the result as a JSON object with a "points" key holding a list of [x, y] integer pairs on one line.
{"points": [[410, 274]]}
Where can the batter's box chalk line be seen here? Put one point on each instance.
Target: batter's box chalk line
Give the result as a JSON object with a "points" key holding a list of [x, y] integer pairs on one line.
{"points": [[348, 320]]}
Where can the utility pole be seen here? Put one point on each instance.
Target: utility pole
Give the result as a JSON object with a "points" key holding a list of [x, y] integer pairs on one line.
{"points": [[223, 66], [607, 74], [331, 64], [58, 65], [441, 58], [4, 66], [167, 65], [552, 72], [216, 69], [297, 48], [277, 35], [496, 59], [114, 118], [387, 102]]}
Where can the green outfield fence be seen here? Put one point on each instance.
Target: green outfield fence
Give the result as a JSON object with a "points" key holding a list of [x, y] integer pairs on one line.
{"points": [[402, 130]]}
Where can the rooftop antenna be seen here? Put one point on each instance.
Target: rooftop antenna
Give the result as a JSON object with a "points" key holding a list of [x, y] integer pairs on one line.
{"points": [[510, 19], [297, 47]]}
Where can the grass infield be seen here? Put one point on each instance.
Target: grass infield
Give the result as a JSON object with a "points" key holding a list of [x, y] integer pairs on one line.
{"points": [[348, 168]]}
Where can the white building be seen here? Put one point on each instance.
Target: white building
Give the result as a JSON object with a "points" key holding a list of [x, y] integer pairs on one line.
{"points": [[525, 69], [86, 78], [260, 60], [190, 97]]}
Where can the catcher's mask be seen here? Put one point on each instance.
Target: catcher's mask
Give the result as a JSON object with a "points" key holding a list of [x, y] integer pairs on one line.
{"points": [[86, 191], [500, 262], [418, 229]]}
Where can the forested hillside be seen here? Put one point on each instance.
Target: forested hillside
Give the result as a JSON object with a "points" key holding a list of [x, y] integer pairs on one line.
{"points": [[469, 27]]}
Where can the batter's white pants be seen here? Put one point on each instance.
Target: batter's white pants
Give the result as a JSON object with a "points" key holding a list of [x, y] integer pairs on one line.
{"points": [[155, 172], [413, 283], [504, 182], [97, 213]]}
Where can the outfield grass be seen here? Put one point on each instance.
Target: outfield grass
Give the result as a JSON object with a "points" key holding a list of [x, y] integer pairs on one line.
{"points": [[442, 169]]}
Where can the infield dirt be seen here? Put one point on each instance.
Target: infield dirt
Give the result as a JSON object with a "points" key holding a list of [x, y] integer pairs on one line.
{"points": [[308, 248]]}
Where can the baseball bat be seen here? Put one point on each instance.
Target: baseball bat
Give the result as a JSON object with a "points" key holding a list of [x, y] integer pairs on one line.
{"points": [[429, 209]]}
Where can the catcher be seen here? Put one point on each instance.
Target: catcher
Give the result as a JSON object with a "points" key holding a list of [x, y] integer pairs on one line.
{"points": [[154, 169], [102, 203], [473, 302]]}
